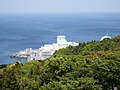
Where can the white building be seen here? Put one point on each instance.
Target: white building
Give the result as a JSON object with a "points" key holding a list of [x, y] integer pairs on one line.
{"points": [[48, 49], [105, 37]]}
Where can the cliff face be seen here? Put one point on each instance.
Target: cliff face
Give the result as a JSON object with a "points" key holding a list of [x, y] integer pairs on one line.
{"points": [[89, 66]]}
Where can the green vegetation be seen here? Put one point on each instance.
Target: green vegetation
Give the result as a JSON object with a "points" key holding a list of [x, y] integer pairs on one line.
{"points": [[90, 66]]}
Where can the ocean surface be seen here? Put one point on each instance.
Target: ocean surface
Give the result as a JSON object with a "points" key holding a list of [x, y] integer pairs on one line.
{"points": [[21, 31]]}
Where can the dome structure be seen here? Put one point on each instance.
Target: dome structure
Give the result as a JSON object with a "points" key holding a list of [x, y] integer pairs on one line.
{"points": [[105, 37]]}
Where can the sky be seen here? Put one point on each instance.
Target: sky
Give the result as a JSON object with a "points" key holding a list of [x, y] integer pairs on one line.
{"points": [[56, 6]]}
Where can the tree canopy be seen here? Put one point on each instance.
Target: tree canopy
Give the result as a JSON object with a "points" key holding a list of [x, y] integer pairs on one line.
{"points": [[92, 65]]}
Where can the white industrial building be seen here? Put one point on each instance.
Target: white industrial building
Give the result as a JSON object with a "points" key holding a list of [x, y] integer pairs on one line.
{"points": [[48, 49]]}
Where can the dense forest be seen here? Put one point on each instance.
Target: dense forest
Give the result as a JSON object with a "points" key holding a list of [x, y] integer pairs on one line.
{"points": [[92, 65]]}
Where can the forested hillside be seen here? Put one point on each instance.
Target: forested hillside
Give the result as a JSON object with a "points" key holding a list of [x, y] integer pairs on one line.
{"points": [[90, 66]]}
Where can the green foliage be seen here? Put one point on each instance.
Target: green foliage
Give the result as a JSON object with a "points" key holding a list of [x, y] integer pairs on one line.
{"points": [[90, 66]]}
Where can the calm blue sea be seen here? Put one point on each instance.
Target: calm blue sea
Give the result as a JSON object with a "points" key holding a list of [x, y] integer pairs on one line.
{"points": [[21, 31]]}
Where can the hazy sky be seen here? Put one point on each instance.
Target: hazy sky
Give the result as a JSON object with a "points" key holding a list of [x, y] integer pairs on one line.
{"points": [[29, 6]]}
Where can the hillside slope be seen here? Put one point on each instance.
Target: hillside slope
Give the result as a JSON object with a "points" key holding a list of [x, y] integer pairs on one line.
{"points": [[90, 66]]}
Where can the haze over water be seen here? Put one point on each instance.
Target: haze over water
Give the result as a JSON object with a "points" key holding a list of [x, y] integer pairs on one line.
{"points": [[21, 31]]}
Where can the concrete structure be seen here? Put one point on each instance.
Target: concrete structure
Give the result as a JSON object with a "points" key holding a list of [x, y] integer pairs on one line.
{"points": [[48, 49], [105, 37], [45, 51]]}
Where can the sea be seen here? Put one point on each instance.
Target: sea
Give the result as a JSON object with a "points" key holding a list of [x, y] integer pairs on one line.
{"points": [[32, 30]]}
